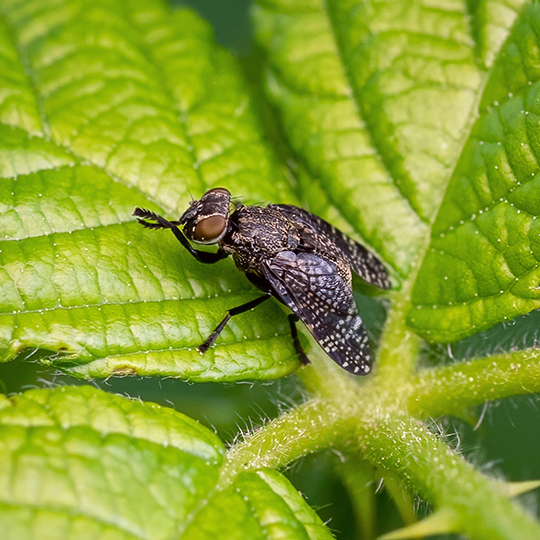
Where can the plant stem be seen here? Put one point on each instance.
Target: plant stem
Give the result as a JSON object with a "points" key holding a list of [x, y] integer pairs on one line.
{"points": [[451, 389], [309, 428], [360, 481], [392, 440], [483, 511]]}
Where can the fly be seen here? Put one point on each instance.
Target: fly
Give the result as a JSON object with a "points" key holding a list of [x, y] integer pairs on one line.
{"points": [[289, 254]]}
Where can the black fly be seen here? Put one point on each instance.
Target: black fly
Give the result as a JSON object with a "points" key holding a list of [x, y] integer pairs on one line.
{"points": [[290, 254]]}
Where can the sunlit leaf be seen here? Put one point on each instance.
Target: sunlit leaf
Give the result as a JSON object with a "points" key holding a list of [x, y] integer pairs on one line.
{"points": [[482, 264], [110, 105], [78, 462]]}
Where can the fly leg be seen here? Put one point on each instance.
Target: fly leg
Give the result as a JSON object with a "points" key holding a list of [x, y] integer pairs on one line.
{"points": [[162, 223], [231, 313], [264, 284], [296, 340]]}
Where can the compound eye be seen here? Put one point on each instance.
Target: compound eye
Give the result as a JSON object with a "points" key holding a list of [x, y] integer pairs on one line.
{"points": [[210, 229]]}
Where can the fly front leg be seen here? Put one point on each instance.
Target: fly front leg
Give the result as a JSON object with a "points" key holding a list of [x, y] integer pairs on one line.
{"points": [[162, 223], [206, 257], [231, 313]]}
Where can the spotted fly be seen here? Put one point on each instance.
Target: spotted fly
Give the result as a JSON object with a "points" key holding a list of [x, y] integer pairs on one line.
{"points": [[289, 254]]}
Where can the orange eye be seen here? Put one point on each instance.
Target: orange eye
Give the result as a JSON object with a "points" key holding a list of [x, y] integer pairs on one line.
{"points": [[209, 229]]}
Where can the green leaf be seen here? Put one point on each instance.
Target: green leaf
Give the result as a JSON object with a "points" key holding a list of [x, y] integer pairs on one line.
{"points": [[78, 462], [376, 98], [482, 264], [106, 106], [421, 122], [110, 104]]}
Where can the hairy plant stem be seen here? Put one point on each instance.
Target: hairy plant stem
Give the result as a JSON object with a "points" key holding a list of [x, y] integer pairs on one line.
{"points": [[309, 428], [452, 389], [374, 418], [482, 509], [390, 441], [369, 418]]}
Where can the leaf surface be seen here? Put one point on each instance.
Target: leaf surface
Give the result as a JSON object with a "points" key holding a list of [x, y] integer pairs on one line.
{"points": [[376, 98], [408, 121], [420, 121], [84, 463], [109, 105], [481, 267]]}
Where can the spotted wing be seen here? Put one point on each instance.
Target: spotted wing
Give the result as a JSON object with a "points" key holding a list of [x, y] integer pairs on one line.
{"points": [[323, 237], [314, 290]]}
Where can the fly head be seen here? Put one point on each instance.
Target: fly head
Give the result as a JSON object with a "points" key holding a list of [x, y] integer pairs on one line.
{"points": [[206, 221]]}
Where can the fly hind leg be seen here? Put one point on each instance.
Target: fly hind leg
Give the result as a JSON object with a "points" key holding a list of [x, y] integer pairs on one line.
{"points": [[296, 340], [231, 313]]}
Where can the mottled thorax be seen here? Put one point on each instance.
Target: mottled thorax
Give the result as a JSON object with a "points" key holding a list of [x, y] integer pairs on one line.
{"points": [[258, 234]]}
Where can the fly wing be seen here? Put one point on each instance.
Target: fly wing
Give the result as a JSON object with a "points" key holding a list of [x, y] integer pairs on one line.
{"points": [[314, 290], [315, 230]]}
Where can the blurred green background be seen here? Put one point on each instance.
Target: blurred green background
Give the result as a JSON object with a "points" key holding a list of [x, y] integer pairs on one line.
{"points": [[506, 441]]}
